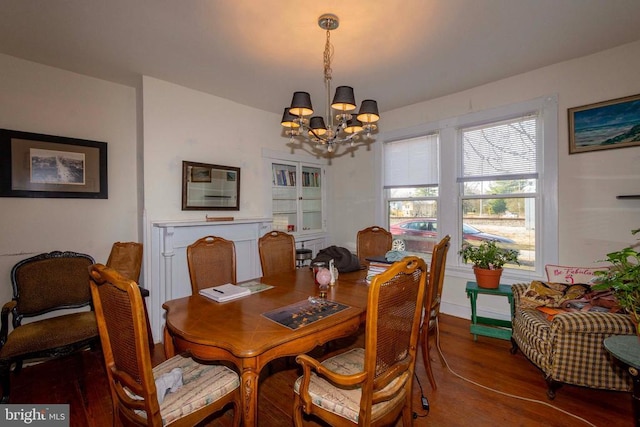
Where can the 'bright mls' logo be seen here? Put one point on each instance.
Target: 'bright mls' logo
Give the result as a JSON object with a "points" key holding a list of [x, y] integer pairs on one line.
{"points": [[49, 415]]}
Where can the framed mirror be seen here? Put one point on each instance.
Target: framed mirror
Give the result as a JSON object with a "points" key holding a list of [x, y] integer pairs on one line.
{"points": [[210, 187]]}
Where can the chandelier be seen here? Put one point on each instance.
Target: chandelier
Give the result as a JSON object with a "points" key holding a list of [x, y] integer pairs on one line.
{"points": [[336, 127]]}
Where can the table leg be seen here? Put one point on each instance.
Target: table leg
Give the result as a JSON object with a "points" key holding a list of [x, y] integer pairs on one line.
{"points": [[169, 349], [249, 398]]}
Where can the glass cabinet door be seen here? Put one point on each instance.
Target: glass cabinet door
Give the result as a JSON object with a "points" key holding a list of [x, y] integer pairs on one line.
{"points": [[297, 197], [311, 198], [284, 196]]}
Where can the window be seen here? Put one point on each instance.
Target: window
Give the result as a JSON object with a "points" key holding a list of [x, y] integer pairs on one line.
{"points": [[498, 184], [477, 177], [411, 185]]}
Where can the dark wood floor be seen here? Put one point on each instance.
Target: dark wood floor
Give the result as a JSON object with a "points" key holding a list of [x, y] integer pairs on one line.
{"points": [[80, 381]]}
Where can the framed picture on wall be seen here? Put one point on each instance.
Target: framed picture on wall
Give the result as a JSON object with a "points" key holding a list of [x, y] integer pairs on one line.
{"points": [[36, 165], [200, 174], [605, 125]]}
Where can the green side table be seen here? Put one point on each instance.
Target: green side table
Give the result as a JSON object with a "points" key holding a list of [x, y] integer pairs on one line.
{"points": [[626, 348], [495, 328]]}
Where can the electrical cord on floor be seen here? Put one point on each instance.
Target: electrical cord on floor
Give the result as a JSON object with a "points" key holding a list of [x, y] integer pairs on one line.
{"points": [[415, 415], [423, 399]]}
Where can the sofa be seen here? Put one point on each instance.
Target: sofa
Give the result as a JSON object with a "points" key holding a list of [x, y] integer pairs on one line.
{"points": [[568, 345]]}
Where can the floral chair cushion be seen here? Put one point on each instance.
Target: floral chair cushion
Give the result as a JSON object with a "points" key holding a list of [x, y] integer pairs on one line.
{"points": [[341, 401], [201, 385]]}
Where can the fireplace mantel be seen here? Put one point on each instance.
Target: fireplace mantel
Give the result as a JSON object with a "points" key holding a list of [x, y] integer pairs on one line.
{"points": [[169, 272]]}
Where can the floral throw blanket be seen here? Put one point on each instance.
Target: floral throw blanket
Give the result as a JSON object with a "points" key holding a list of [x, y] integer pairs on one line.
{"points": [[568, 297]]}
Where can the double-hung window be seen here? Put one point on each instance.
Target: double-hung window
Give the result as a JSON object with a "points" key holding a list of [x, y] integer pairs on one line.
{"points": [[499, 184], [411, 184], [481, 176]]}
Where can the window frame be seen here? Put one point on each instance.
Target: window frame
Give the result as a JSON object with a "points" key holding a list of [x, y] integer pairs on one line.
{"points": [[450, 150]]}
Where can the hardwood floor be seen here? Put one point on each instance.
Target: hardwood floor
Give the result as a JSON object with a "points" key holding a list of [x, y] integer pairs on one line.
{"points": [[80, 380]]}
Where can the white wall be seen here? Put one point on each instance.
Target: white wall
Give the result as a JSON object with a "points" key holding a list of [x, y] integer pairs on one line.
{"points": [[592, 221], [183, 124], [41, 99]]}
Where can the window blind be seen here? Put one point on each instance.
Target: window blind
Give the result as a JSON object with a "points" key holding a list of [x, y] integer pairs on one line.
{"points": [[411, 162], [501, 150]]}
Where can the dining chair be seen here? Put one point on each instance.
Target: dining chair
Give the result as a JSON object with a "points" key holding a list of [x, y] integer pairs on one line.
{"points": [[212, 262], [177, 392], [429, 327], [277, 253], [126, 258], [371, 386], [372, 241]]}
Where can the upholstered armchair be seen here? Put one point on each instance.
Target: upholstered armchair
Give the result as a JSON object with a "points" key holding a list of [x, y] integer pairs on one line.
{"points": [[568, 348], [45, 284]]}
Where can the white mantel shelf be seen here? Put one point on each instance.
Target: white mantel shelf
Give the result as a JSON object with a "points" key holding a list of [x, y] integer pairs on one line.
{"points": [[198, 223]]}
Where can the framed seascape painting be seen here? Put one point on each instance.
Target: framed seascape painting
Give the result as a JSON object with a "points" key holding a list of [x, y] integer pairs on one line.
{"points": [[604, 125], [36, 165]]}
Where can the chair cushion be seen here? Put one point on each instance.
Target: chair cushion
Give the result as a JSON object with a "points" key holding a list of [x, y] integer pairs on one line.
{"points": [[48, 334], [202, 385], [340, 401]]}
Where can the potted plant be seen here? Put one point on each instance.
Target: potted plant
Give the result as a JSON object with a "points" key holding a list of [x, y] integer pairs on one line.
{"points": [[623, 278], [488, 259]]}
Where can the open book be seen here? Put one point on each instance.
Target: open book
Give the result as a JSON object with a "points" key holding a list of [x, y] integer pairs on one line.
{"points": [[226, 292]]}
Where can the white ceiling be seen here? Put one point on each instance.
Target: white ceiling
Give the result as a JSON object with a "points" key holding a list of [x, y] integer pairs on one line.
{"points": [[259, 52]]}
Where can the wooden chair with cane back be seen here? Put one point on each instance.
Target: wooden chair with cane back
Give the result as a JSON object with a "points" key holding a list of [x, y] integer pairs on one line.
{"points": [[126, 258], [212, 262], [371, 386], [277, 253], [177, 392], [373, 241], [429, 327]]}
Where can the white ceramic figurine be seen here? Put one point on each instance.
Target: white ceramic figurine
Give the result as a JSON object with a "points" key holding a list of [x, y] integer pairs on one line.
{"points": [[334, 273]]}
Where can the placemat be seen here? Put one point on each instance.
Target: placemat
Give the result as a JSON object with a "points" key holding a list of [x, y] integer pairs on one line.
{"points": [[255, 287], [303, 313]]}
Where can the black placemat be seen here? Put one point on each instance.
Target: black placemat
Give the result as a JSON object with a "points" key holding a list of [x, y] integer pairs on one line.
{"points": [[303, 313]]}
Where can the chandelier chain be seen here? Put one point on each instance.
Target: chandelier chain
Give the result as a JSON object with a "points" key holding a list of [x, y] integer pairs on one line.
{"points": [[328, 53]]}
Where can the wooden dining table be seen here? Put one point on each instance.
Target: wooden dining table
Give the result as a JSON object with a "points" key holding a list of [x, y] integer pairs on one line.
{"points": [[238, 332]]}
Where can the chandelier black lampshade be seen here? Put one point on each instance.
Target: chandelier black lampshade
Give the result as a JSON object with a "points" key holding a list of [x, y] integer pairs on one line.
{"points": [[368, 111], [301, 104], [344, 99], [316, 124], [289, 120], [353, 126]]}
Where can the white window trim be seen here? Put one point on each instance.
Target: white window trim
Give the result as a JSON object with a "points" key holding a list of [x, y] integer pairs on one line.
{"points": [[546, 207]]}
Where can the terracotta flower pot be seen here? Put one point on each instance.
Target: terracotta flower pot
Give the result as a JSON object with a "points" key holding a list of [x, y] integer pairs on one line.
{"points": [[489, 279]]}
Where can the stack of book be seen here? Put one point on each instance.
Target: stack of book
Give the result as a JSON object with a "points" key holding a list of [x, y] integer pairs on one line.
{"points": [[376, 267]]}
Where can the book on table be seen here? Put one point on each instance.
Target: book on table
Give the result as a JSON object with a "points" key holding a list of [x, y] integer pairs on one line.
{"points": [[375, 268], [226, 292]]}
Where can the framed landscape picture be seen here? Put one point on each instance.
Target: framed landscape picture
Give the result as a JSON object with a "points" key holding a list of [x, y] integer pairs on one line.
{"points": [[36, 165], [604, 125]]}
